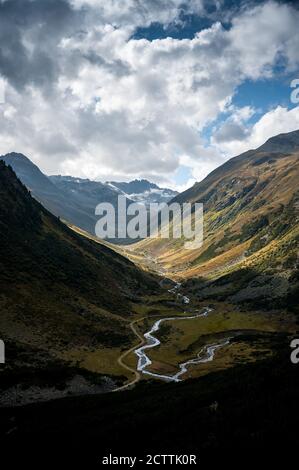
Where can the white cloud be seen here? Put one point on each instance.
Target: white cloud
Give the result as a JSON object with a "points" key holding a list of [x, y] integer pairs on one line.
{"points": [[137, 107], [140, 13], [276, 121], [235, 127], [264, 34]]}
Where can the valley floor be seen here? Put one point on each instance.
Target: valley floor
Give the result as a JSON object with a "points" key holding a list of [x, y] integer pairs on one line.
{"points": [[252, 336], [244, 417], [252, 333]]}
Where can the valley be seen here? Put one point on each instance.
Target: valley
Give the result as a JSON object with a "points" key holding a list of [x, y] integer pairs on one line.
{"points": [[136, 313], [104, 337], [149, 233], [167, 342]]}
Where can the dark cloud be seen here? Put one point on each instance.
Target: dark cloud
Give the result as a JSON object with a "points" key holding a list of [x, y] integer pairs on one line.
{"points": [[30, 32], [230, 131], [118, 67]]}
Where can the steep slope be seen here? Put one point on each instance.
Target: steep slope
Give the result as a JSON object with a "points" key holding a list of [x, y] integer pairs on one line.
{"points": [[63, 297], [53, 198], [86, 193], [72, 199], [29, 173], [75, 199], [250, 220]]}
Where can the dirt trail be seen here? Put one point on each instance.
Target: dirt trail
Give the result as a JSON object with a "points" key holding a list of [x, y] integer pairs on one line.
{"points": [[121, 358]]}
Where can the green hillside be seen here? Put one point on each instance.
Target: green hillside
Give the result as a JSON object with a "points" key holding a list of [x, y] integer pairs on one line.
{"points": [[250, 226]]}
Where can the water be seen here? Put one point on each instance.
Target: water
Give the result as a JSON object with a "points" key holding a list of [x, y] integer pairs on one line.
{"points": [[205, 355]]}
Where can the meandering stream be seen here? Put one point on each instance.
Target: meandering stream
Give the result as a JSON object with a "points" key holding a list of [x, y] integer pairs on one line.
{"points": [[205, 355]]}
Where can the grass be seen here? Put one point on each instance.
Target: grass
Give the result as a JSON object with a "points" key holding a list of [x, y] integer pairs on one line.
{"points": [[102, 360], [182, 339], [263, 209]]}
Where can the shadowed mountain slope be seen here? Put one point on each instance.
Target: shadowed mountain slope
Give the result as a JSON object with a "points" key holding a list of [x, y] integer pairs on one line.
{"points": [[61, 294], [72, 199], [52, 197]]}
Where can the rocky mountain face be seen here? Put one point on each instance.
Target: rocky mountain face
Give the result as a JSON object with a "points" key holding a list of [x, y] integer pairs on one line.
{"points": [[251, 227], [87, 194], [144, 191]]}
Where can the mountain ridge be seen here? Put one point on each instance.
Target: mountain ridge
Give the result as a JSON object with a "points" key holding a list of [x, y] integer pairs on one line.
{"points": [[143, 191], [74, 199], [272, 143], [251, 227]]}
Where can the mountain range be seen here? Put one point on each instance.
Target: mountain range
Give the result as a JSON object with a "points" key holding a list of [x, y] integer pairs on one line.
{"points": [[144, 192], [75, 199]]}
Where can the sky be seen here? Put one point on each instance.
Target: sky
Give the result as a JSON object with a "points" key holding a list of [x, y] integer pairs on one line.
{"points": [[160, 89]]}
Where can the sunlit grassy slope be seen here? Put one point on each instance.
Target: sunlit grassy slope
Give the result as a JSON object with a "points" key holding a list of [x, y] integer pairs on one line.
{"points": [[250, 218]]}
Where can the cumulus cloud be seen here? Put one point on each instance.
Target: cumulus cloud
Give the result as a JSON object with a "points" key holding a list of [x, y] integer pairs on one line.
{"points": [[235, 127], [276, 121], [264, 35], [84, 97], [134, 13], [30, 32]]}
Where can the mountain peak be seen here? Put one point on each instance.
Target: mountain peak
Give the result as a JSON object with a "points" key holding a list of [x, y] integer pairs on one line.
{"points": [[143, 191], [16, 157], [71, 179], [28, 172], [136, 186], [281, 143]]}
